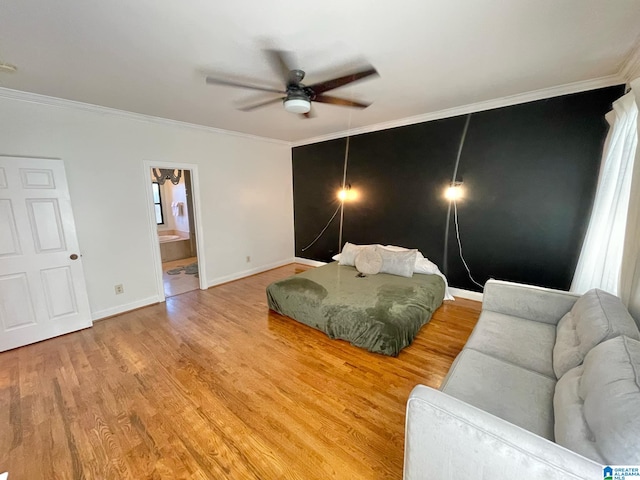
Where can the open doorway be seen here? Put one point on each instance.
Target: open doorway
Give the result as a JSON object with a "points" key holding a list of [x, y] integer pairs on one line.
{"points": [[174, 216]]}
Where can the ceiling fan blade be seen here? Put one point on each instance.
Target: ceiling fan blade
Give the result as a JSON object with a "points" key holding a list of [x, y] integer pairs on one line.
{"points": [[339, 101], [309, 114], [282, 62], [327, 85], [248, 108], [230, 83]]}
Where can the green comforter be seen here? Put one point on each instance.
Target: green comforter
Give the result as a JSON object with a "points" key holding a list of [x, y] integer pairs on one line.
{"points": [[382, 313]]}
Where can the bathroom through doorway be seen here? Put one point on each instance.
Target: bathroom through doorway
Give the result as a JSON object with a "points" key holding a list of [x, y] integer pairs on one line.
{"points": [[174, 214]]}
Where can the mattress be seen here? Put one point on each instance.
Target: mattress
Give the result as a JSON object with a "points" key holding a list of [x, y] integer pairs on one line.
{"points": [[382, 313]]}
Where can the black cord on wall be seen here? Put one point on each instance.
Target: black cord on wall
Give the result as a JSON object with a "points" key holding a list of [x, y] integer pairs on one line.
{"points": [[445, 256], [454, 180]]}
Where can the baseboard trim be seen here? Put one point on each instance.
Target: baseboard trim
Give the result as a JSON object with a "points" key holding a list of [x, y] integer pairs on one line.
{"points": [[306, 261], [248, 273], [468, 294], [127, 307]]}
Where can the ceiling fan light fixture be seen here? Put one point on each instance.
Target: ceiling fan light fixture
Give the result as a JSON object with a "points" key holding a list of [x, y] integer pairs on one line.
{"points": [[298, 96], [297, 105]]}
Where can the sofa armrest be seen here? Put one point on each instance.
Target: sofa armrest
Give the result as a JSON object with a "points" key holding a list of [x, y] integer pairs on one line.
{"points": [[449, 439], [526, 301]]}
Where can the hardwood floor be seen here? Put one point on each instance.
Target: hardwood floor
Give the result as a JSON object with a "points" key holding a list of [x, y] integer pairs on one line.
{"points": [[211, 385]]}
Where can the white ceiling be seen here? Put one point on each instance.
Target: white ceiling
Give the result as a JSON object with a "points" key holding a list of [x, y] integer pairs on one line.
{"points": [[149, 56]]}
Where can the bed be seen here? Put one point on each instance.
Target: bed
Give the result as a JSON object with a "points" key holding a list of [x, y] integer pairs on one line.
{"points": [[381, 313]]}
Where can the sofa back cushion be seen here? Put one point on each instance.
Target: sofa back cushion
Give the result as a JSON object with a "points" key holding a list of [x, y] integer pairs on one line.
{"points": [[596, 405], [595, 317]]}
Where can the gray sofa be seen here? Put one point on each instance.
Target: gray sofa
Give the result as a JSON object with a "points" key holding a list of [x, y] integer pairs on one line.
{"points": [[547, 387]]}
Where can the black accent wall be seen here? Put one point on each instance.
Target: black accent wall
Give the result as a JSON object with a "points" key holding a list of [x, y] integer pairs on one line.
{"points": [[529, 172]]}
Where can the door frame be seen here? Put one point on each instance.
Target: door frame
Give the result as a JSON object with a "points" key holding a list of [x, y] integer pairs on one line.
{"points": [[153, 227]]}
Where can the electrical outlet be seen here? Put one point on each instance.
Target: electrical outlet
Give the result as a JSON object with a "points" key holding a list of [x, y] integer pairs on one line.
{"points": [[119, 289], [248, 259]]}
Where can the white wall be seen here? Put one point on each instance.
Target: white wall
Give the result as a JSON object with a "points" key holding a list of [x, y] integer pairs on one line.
{"points": [[245, 187]]}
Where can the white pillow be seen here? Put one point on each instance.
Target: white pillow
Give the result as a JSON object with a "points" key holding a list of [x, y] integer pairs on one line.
{"points": [[369, 261], [399, 263], [419, 257], [349, 253], [395, 248], [423, 265]]}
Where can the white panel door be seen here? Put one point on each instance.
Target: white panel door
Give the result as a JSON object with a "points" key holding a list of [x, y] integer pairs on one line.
{"points": [[42, 289]]}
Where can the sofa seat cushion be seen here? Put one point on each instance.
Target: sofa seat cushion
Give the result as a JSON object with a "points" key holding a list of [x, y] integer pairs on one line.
{"points": [[595, 317], [518, 395], [597, 404], [523, 342]]}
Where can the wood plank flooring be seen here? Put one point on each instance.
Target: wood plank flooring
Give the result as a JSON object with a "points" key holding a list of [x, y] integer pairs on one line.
{"points": [[211, 385]]}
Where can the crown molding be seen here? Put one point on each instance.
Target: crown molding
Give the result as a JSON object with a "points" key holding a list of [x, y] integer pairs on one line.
{"points": [[88, 107], [541, 94], [630, 69]]}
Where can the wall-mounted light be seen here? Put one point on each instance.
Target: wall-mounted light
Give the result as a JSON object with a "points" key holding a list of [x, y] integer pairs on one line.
{"points": [[454, 192], [347, 194]]}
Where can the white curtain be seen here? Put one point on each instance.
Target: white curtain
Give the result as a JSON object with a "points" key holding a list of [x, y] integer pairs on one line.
{"points": [[630, 275], [600, 262]]}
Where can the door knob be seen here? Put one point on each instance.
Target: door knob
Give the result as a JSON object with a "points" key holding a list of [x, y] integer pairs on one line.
{"points": [[73, 256]]}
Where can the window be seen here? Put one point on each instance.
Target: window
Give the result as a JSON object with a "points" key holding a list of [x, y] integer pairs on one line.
{"points": [[157, 201]]}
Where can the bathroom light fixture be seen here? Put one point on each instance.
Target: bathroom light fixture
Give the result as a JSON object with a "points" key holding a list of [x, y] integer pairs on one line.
{"points": [[161, 175], [454, 192]]}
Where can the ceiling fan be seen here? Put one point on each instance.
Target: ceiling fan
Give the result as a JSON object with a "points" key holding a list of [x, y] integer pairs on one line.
{"points": [[298, 96]]}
